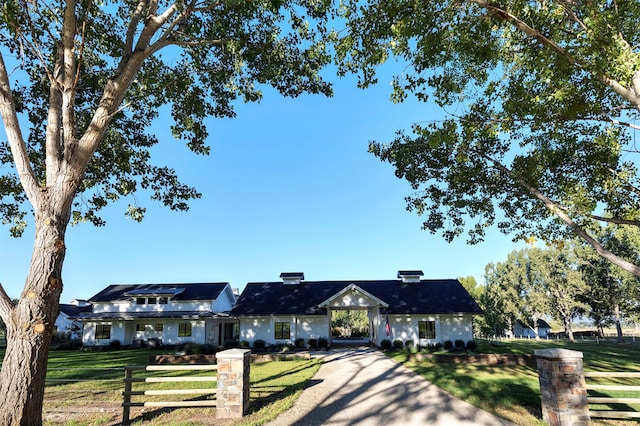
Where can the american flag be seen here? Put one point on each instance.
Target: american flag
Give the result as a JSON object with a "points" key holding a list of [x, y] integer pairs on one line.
{"points": [[387, 327]]}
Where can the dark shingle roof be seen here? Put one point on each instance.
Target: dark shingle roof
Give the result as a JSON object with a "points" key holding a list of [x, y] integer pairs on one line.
{"points": [[191, 291], [73, 310], [425, 297]]}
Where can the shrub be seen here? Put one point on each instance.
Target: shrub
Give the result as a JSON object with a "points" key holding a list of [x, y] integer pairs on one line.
{"points": [[244, 344], [115, 344], [208, 349], [231, 343], [408, 344], [459, 344], [313, 343], [398, 344], [385, 344], [448, 344], [323, 343], [437, 347], [472, 345], [299, 343], [259, 344]]}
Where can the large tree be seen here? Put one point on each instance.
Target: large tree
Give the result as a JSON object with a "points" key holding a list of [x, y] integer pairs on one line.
{"points": [[81, 82], [539, 99], [611, 292], [557, 270]]}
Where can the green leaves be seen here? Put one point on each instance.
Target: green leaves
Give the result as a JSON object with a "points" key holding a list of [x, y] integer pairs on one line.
{"points": [[536, 98], [199, 63]]}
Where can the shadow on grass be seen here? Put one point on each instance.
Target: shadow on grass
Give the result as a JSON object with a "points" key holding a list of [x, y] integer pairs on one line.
{"points": [[490, 387], [274, 382]]}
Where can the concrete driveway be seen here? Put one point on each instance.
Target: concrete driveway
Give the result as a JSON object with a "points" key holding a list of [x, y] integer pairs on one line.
{"points": [[361, 386]]}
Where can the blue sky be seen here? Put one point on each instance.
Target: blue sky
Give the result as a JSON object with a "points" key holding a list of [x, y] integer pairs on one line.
{"points": [[289, 186]]}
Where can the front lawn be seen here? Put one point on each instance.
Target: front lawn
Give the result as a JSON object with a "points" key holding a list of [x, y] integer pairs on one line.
{"points": [[513, 392], [85, 388]]}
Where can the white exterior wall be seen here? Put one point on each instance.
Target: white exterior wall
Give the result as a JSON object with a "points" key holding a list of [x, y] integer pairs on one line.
{"points": [[125, 332], [64, 324], [405, 327], [198, 305], [89, 333], [262, 328], [454, 327], [311, 327]]}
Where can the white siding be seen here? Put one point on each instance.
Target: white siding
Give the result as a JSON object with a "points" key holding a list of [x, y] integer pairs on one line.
{"points": [[455, 328], [64, 324], [405, 327], [197, 305], [262, 328]]}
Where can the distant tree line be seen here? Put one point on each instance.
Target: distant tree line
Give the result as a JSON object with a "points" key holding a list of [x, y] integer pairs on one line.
{"points": [[564, 281]]}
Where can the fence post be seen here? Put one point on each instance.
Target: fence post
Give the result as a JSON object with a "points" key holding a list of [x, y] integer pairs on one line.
{"points": [[126, 407], [233, 383], [562, 387]]}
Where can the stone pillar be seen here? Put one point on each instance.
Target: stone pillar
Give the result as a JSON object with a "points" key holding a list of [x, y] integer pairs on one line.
{"points": [[562, 387], [233, 383]]}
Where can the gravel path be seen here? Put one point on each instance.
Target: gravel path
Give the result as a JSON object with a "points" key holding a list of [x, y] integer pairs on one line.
{"points": [[364, 387]]}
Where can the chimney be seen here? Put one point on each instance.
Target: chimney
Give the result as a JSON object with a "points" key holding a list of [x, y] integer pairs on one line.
{"points": [[410, 276], [292, 277]]}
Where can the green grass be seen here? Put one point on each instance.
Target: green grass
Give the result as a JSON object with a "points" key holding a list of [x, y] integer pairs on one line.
{"points": [[513, 392], [85, 389]]}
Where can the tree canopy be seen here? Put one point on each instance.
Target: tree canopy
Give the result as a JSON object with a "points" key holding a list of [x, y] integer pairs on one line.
{"points": [[77, 66], [81, 86], [540, 101]]}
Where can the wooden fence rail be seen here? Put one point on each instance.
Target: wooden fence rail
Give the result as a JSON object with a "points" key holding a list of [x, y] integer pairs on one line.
{"points": [[610, 399], [129, 380]]}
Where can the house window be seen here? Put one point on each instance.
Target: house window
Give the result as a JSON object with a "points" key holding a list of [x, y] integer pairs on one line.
{"points": [[103, 331], [151, 301], [158, 327], [163, 300], [426, 329], [282, 330], [140, 300], [184, 329], [140, 327]]}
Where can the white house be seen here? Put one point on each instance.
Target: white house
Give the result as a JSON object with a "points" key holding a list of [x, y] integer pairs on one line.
{"points": [[408, 308], [67, 318], [160, 313], [522, 330]]}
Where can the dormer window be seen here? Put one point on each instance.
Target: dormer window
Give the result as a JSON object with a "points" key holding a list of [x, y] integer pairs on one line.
{"points": [[151, 300], [163, 300], [140, 300]]}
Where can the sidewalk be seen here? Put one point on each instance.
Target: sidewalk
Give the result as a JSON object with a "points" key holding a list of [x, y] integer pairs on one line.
{"points": [[361, 386]]}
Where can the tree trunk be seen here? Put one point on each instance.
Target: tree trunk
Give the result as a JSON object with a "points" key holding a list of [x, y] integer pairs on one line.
{"points": [[620, 335], [30, 327], [568, 328]]}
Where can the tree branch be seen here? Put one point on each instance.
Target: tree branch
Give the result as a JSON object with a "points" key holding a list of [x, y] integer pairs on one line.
{"points": [[630, 95], [615, 220], [556, 210], [6, 305], [16, 140]]}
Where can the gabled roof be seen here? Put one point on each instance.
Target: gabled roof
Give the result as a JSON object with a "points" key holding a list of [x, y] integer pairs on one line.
{"points": [[191, 291], [73, 310], [353, 288], [424, 297]]}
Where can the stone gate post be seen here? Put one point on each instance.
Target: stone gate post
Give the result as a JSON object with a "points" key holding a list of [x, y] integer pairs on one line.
{"points": [[562, 387], [233, 383]]}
